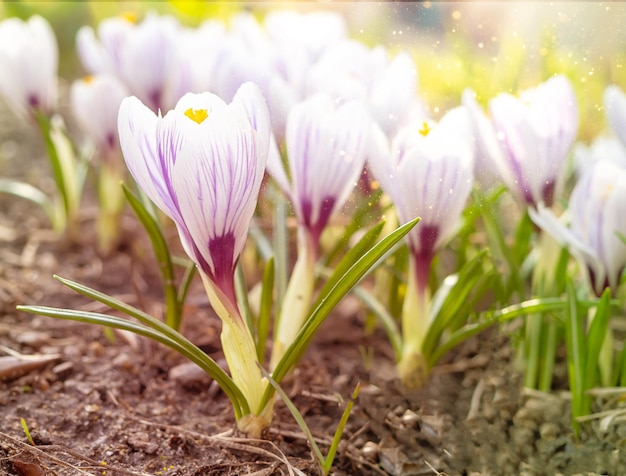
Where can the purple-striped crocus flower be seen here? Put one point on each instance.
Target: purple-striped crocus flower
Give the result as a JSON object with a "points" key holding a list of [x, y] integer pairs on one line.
{"points": [[325, 154], [596, 231], [427, 171], [530, 137], [202, 165]]}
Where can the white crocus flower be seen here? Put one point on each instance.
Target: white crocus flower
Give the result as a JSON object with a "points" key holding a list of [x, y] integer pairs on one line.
{"points": [[427, 172], [596, 224], [351, 70], [602, 148], [145, 56], [326, 154], [28, 60], [533, 136], [95, 102], [202, 165]]}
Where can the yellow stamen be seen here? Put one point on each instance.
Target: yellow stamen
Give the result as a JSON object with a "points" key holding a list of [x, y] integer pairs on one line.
{"points": [[197, 115], [425, 129], [88, 79]]}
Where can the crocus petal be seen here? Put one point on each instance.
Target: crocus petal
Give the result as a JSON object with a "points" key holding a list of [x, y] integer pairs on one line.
{"points": [[615, 105], [28, 61], [217, 179], [326, 153], [149, 161], [95, 103]]}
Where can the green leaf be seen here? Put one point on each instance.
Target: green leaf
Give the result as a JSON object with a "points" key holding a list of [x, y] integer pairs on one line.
{"points": [[329, 298], [332, 451], [351, 257], [265, 312], [452, 313], [488, 318], [28, 192], [575, 342], [595, 339], [297, 416], [386, 320], [218, 374], [173, 305], [355, 225]]}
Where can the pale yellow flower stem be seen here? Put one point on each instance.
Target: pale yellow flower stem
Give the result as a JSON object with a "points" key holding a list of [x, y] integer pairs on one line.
{"points": [[240, 353], [412, 367], [111, 198], [295, 306]]}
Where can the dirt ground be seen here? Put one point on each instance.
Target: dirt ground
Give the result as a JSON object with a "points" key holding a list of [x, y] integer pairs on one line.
{"points": [[132, 407]]}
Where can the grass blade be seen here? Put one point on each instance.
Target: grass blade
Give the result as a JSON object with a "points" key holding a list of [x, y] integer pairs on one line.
{"points": [[173, 309], [332, 451]]}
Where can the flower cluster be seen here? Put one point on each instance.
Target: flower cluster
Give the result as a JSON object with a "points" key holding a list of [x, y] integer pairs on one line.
{"points": [[203, 117]]}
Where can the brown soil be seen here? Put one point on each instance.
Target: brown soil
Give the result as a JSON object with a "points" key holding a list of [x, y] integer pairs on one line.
{"points": [[97, 406]]}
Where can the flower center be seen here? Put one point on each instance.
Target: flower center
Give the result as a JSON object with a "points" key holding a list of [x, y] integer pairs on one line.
{"points": [[88, 79], [197, 115], [425, 129]]}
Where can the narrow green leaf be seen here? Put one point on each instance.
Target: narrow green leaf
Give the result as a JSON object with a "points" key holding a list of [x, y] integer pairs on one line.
{"points": [[297, 416], [173, 309], [595, 338], [55, 162], [281, 250], [575, 343], [386, 320], [220, 376], [265, 312], [175, 342], [28, 192], [351, 257], [332, 451], [456, 299], [488, 318], [324, 305], [355, 225], [27, 431], [185, 282]]}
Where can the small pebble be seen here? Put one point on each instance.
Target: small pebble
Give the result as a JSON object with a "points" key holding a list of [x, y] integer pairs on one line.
{"points": [[549, 431], [370, 450], [187, 373], [409, 418]]}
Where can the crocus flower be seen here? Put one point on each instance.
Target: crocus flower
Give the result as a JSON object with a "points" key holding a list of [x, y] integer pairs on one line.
{"points": [[427, 172], [145, 56], [615, 106], [350, 70], [326, 153], [597, 227], [95, 102], [533, 136], [202, 165], [29, 62]]}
